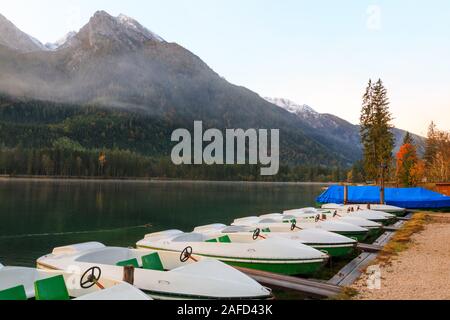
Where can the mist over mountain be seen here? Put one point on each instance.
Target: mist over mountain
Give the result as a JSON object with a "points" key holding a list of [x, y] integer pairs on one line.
{"points": [[115, 63]]}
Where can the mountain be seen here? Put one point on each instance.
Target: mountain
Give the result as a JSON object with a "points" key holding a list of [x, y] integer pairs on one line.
{"points": [[101, 63], [116, 63], [335, 131], [61, 42], [104, 31], [12, 37], [301, 110], [131, 88]]}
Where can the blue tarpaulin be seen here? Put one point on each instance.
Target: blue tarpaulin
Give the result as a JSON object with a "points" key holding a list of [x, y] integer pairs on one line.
{"points": [[409, 198]]}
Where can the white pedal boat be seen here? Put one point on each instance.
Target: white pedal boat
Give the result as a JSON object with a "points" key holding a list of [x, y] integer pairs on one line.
{"points": [[274, 255], [365, 220], [333, 244], [205, 279], [281, 223], [18, 283], [377, 207], [372, 215]]}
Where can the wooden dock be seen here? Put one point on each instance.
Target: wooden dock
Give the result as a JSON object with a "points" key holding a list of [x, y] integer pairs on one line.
{"points": [[352, 271], [345, 277], [391, 229], [313, 288], [369, 247]]}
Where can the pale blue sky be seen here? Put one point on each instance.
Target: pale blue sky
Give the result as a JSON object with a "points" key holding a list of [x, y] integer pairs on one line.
{"points": [[316, 52]]}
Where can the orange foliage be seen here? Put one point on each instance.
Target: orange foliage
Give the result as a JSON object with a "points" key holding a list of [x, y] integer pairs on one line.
{"points": [[405, 151], [410, 169], [417, 172], [102, 159]]}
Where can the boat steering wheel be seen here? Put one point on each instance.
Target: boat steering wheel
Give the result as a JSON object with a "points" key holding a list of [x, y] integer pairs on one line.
{"points": [[293, 225], [256, 234], [186, 254], [90, 278]]}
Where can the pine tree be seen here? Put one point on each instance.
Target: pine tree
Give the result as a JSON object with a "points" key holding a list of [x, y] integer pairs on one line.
{"points": [[408, 139], [431, 145], [366, 123], [376, 131]]}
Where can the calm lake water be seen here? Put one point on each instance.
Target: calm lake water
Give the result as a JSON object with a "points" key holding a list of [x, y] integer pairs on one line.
{"points": [[36, 216]]}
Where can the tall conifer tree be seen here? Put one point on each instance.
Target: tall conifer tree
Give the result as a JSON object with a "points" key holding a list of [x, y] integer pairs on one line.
{"points": [[376, 131], [431, 147], [408, 139]]}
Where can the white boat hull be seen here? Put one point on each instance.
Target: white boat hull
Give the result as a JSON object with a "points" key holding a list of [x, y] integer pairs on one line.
{"points": [[206, 279], [11, 277]]}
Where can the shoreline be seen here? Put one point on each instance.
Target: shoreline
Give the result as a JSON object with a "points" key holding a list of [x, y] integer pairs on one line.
{"points": [[151, 180]]}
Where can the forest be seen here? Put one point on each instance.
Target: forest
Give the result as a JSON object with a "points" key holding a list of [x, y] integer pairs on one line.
{"points": [[49, 139], [58, 140], [67, 159]]}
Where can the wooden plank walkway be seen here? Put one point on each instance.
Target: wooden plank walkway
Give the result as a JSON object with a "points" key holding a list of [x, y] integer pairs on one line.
{"points": [[345, 277], [391, 229], [369, 247], [313, 288], [352, 271]]}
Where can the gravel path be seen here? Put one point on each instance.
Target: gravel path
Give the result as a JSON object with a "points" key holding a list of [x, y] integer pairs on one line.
{"points": [[420, 273]]}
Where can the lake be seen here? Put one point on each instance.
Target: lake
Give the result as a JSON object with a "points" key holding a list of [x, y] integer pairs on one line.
{"points": [[38, 215]]}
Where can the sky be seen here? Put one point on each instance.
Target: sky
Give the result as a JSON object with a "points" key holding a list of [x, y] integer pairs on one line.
{"points": [[321, 53]]}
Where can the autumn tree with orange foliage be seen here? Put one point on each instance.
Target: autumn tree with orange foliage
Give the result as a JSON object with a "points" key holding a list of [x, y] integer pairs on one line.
{"points": [[410, 169], [101, 162]]}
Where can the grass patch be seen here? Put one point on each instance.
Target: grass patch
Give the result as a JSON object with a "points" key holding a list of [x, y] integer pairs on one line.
{"points": [[346, 294], [402, 238]]}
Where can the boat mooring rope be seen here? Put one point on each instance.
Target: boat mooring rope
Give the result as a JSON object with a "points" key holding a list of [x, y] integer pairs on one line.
{"points": [[55, 234]]}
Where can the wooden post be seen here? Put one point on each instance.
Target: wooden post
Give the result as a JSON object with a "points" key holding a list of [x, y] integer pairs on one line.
{"points": [[345, 194], [383, 168], [128, 274], [382, 186]]}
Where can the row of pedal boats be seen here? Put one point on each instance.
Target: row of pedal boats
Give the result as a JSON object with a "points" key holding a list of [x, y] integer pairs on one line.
{"points": [[197, 265]]}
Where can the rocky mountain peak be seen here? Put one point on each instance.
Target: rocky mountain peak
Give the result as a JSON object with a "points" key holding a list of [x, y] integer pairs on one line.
{"points": [[13, 38], [123, 31], [61, 42], [292, 106]]}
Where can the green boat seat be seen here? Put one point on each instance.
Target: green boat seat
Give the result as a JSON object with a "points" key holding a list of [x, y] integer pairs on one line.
{"points": [[128, 263], [225, 239], [51, 289], [152, 262], [13, 294], [211, 240], [266, 230]]}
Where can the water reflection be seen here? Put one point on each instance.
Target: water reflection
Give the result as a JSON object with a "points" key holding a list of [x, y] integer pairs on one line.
{"points": [[36, 216]]}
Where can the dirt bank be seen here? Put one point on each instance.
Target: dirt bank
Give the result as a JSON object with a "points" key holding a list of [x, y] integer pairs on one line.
{"points": [[422, 271]]}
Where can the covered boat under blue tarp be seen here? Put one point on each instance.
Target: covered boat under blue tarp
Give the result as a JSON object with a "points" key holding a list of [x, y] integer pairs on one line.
{"points": [[409, 198]]}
